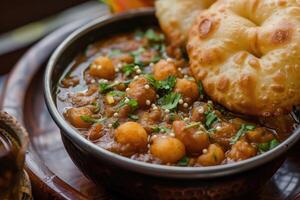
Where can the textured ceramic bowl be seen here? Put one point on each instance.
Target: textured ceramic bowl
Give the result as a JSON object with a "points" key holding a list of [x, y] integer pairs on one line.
{"points": [[137, 179]]}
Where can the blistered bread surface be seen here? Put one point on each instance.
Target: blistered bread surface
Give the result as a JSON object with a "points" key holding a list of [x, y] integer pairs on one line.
{"points": [[247, 54]]}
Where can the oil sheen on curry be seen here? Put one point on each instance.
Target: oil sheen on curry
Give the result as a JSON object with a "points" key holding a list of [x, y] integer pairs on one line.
{"points": [[132, 94]]}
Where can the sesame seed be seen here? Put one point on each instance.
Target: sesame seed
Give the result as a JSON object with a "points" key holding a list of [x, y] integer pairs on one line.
{"points": [[109, 125], [179, 69], [180, 101], [185, 76], [117, 82], [218, 128], [138, 71], [127, 89], [117, 70], [126, 100], [151, 64], [201, 110], [148, 102], [119, 65], [172, 134], [204, 151], [210, 102], [136, 77], [186, 119], [155, 108], [157, 96], [147, 87], [116, 114], [169, 59], [185, 105], [136, 67], [93, 81], [167, 111]]}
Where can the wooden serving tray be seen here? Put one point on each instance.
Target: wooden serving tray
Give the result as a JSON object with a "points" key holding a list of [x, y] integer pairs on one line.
{"points": [[53, 174]]}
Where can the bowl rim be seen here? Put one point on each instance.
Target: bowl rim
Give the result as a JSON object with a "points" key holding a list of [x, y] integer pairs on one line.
{"points": [[137, 166]]}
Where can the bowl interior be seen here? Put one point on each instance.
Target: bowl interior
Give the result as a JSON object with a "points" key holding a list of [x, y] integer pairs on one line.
{"points": [[105, 27]]}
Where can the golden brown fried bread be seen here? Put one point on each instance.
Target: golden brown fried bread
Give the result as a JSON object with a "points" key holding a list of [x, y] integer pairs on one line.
{"points": [[247, 54], [177, 16]]}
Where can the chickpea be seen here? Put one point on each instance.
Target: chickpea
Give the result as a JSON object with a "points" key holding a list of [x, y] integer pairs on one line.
{"points": [[259, 135], [133, 135], [168, 149], [223, 134], [195, 141], [198, 112], [74, 116], [241, 151], [188, 89], [102, 67], [95, 132], [138, 92], [163, 69], [213, 156]]}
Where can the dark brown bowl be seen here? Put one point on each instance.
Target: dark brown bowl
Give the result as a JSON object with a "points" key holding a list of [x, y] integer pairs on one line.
{"points": [[136, 179]]}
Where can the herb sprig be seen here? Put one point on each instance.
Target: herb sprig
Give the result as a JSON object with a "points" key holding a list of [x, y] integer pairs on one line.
{"points": [[242, 131], [169, 101]]}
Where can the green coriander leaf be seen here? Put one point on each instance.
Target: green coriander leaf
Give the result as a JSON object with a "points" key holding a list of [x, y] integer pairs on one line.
{"points": [[242, 131], [152, 36], [192, 125], [201, 89], [128, 69], [97, 107], [155, 59], [274, 143], [136, 55], [133, 117], [210, 119], [169, 101], [116, 124], [116, 93], [160, 129], [114, 53], [91, 120], [184, 161], [133, 104], [164, 86], [263, 147], [103, 87]]}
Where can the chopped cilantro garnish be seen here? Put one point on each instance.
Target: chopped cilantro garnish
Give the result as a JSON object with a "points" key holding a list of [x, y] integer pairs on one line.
{"points": [[155, 59], [210, 119], [133, 117], [105, 87], [114, 53], [160, 129], [200, 89], [152, 36], [97, 107], [192, 125], [91, 120], [116, 124], [128, 69], [242, 131], [184, 161], [274, 143], [116, 93], [164, 86], [264, 147], [131, 102], [136, 55], [169, 101]]}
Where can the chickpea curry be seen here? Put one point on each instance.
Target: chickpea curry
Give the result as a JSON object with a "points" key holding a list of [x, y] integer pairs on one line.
{"points": [[132, 94]]}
